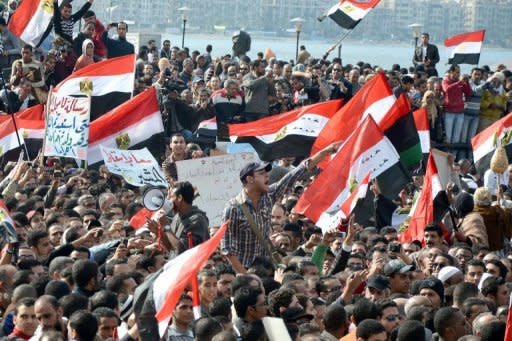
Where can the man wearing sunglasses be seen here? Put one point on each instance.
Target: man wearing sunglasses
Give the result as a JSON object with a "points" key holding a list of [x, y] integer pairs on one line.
{"points": [[388, 315]]}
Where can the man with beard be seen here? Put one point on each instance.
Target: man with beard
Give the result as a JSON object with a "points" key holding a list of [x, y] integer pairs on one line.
{"points": [[187, 218], [49, 315]]}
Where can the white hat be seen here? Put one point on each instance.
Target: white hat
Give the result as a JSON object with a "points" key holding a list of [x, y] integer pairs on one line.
{"points": [[485, 275], [447, 272]]}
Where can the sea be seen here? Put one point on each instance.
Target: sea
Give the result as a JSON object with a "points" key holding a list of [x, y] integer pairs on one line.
{"points": [[383, 54]]}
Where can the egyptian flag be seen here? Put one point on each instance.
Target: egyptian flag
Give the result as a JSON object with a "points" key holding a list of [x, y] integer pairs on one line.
{"points": [[290, 134], [112, 83], [357, 194], [31, 127], [132, 125], [399, 127], [176, 274], [35, 112], [368, 150], [208, 128], [348, 13], [8, 139], [375, 98], [484, 144], [465, 48], [31, 19], [430, 206]]}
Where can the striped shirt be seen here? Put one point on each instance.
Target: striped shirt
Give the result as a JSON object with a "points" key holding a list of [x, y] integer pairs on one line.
{"points": [[239, 239]]}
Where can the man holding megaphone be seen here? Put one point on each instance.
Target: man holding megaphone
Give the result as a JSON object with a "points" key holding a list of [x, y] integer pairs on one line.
{"points": [[187, 218]]}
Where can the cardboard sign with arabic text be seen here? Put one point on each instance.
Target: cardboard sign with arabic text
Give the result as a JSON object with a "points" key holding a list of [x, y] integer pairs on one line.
{"points": [[137, 167], [67, 131]]}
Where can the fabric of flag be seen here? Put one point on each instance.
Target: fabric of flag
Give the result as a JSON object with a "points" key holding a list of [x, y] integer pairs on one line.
{"points": [[484, 144], [208, 128], [365, 151], [422, 212], [358, 193], [423, 126], [348, 13], [31, 19], [129, 126], [177, 273], [399, 127], [289, 134], [375, 98], [7, 226], [8, 139], [465, 48], [112, 83], [139, 219], [508, 328], [31, 127]]}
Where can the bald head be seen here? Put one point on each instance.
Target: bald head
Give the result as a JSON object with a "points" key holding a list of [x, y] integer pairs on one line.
{"points": [[482, 320], [415, 301]]}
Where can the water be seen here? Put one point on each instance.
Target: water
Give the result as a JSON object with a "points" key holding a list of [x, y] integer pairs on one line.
{"points": [[375, 53]]}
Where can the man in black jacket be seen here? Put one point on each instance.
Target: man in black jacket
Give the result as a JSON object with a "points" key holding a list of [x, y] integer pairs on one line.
{"points": [[120, 46], [426, 55]]}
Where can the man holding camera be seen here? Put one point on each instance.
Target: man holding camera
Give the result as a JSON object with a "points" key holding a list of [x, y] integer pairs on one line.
{"points": [[120, 46], [426, 55]]}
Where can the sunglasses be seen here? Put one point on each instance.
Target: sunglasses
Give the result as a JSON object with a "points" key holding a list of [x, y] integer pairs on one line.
{"points": [[392, 318]]}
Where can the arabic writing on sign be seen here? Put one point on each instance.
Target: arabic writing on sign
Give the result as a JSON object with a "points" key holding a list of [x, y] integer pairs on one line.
{"points": [[216, 179], [67, 132], [137, 167]]}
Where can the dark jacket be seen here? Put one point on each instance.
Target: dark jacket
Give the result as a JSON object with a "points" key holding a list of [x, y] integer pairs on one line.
{"points": [[180, 116], [116, 47], [194, 221], [432, 54]]}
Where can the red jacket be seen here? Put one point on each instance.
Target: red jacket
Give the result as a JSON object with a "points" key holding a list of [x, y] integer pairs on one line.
{"points": [[454, 93]]}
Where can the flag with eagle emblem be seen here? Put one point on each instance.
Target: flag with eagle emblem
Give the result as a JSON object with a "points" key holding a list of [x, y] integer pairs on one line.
{"points": [[289, 134]]}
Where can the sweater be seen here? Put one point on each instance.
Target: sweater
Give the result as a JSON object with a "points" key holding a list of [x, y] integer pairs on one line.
{"points": [[454, 95]]}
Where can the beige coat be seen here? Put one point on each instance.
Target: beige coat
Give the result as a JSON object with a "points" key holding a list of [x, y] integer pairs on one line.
{"points": [[473, 227]]}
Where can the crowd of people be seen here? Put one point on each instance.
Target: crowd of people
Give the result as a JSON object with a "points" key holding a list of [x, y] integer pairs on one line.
{"points": [[74, 271]]}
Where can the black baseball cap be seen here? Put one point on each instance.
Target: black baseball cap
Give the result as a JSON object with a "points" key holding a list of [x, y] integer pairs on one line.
{"points": [[378, 282], [252, 167]]}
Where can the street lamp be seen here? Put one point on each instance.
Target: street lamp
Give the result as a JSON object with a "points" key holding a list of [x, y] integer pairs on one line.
{"points": [[184, 16], [416, 32], [298, 27]]}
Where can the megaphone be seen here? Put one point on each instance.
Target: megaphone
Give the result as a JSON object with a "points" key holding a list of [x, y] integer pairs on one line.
{"points": [[154, 199]]}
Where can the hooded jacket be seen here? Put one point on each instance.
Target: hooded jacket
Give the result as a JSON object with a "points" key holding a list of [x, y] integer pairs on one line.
{"points": [[84, 59]]}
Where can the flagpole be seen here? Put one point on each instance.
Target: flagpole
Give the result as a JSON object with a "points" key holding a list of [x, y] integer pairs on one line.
{"points": [[9, 111], [196, 301], [48, 101], [338, 42]]}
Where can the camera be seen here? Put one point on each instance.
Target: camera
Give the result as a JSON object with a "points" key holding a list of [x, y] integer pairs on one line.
{"points": [[394, 247], [171, 85]]}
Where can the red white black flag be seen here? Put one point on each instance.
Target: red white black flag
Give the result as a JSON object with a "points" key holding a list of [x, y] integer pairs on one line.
{"points": [[288, 134], [465, 48], [484, 144], [348, 13], [112, 83]]}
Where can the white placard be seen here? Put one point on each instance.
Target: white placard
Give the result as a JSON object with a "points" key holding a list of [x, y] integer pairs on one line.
{"points": [[276, 329], [67, 131], [217, 180], [137, 167]]}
